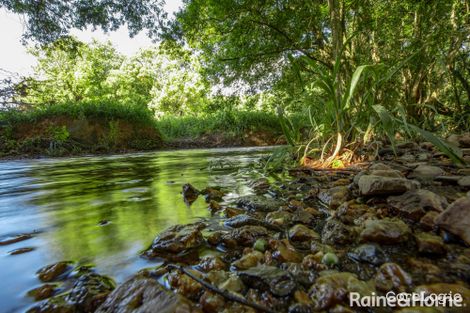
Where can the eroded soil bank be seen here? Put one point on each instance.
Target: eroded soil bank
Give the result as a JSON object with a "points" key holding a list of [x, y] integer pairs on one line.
{"points": [[302, 244]]}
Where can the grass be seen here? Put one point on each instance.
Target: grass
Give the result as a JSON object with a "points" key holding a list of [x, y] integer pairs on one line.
{"points": [[232, 123], [107, 110]]}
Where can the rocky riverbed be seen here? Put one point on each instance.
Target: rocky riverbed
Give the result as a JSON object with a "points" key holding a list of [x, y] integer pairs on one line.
{"points": [[398, 223]]}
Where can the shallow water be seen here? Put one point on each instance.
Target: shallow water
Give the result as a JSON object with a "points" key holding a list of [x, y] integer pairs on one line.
{"points": [[64, 200]]}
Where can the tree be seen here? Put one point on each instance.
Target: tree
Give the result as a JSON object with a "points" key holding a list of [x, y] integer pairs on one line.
{"points": [[49, 20]]}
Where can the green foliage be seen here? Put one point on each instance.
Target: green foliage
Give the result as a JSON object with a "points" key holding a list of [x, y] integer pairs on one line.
{"points": [[47, 21], [224, 122]]}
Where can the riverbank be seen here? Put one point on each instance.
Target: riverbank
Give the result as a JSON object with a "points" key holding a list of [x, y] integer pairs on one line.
{"points": [[71, 130], [300, 244]]}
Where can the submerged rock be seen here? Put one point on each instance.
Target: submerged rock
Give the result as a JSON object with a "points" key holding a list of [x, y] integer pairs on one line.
{"points": [[385, 231], [42, 292], [456, 219], [211, 193], [14, 239], [190, 193], [145, 295], [53, 271], [372, 185], [269, 278]]}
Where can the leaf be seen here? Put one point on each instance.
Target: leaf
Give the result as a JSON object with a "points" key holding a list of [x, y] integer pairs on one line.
{"points": [[387, 123], [354, 80], [454, 153]]}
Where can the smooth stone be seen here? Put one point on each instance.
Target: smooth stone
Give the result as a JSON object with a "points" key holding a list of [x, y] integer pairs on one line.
{"points": [[42, 292], [426, 172], [21, 250], [14, 239], [283, 251], [456, 219], [142, 294], [385, 231], [464, 182], [371, 185], [190, 193], [427, 221], [301, 232]]}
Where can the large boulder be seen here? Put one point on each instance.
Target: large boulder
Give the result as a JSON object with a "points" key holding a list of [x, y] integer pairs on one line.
{"points": [[142, 294], [373, 185], [456, 219]]}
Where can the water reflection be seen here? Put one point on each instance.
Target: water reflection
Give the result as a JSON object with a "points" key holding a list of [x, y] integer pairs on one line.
{"points": [[66, 199]]}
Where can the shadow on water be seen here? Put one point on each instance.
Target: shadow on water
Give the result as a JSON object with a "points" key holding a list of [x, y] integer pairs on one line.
{"points": [[134, 196]]}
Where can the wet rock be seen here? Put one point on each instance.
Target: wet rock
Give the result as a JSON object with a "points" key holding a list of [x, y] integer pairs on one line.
{"points": [[53, 271], [414, 204], [300, 274], [144, 294], [332, 288], [242, 220], [426, 172], [335, 196], [456, 219], [249, 260], [178, 238], [212, 263], [391, 276], [214, 206], [385, 231], [269, 278], [211, 302], [350, 212], [190, 193], [185, 285], [335, 232], [231, 212], [14, 239], [464, 182], [258, 203], [42, 292], [21, 250], [430, 244], [368, 253], [299, 233], [278, 218], [283, 251], [427, 221], [445, 288], [244, 236], [371, 185], [260, 245], [211, 193], [304, 216], [89, 291], [261, 185]]}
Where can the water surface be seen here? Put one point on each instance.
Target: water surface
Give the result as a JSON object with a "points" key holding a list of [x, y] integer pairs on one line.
{"points": [[64, 200]]}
